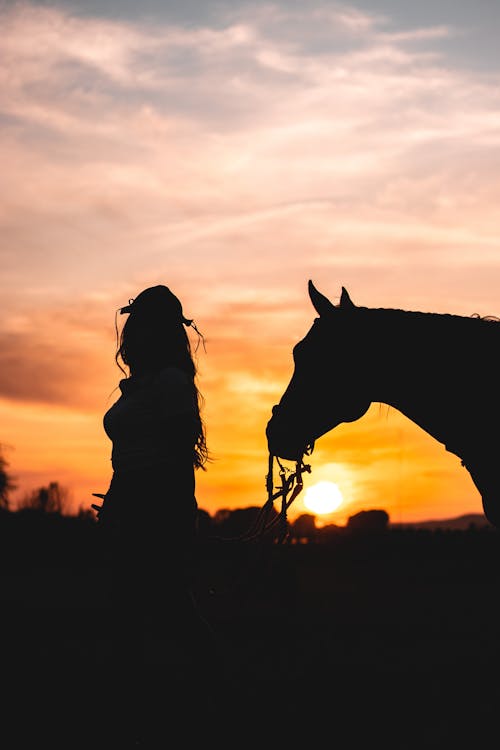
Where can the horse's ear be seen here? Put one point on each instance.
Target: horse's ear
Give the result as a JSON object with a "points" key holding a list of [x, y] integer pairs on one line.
{"points": [[321, 304], [345, 300]]}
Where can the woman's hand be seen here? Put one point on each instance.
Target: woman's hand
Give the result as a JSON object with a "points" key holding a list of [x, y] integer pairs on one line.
{"points": [[98, 508]]}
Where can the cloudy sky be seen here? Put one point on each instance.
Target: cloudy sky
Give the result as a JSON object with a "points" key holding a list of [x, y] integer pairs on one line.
{"points": [[232, 151]]}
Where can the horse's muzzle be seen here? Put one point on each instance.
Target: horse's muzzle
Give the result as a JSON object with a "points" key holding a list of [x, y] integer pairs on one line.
{"points": [[281, 440]]}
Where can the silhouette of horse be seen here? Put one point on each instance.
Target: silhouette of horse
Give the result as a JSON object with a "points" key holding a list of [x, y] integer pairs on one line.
{"points": [[439, 370]]}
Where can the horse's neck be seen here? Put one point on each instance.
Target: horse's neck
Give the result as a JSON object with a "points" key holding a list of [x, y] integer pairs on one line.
{"points": [[441, 423], [428, 381]]}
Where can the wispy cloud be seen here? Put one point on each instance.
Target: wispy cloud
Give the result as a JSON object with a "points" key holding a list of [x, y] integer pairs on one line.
{"points": [[58, 358], [285, 141]]}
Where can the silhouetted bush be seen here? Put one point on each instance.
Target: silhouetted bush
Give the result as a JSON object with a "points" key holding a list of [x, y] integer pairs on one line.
{"points": [[6, 483]]}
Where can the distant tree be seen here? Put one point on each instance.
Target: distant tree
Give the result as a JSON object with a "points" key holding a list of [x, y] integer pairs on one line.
{"points": [[238, 521], [204, 522], [6, 482], [369, 521], [304, 527], [51, 499], [329, 532], [86, 514], [241, 521], [221, 515]]}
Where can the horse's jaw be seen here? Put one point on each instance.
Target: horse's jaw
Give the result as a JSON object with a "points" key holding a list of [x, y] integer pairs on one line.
{"points": [[484, 473], [292, 430], [285, 441]]}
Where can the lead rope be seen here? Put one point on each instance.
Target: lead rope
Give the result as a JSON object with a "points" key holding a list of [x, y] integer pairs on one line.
{"points": [[288, 490], [287, 486]]}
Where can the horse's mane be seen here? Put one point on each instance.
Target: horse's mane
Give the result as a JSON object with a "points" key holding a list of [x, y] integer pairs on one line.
{"points": [[472, 335], [472, 323], [434, 315]]}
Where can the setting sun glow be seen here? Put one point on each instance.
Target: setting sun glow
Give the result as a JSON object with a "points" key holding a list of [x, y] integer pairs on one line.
{"points": [[323, 497]]}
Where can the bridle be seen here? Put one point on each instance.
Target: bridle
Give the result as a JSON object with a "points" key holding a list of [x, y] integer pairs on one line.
{"points": [[289, 488]]}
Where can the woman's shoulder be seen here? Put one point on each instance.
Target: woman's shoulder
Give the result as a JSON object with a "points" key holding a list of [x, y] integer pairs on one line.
{"points": [[172, 376], [174, 391], [168, 380]]}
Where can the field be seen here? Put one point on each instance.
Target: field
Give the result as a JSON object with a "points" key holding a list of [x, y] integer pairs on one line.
{"points": [[387, 640]]}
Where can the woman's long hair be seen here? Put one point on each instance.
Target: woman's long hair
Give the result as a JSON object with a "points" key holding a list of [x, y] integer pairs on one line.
{"points": [[148, 344]]}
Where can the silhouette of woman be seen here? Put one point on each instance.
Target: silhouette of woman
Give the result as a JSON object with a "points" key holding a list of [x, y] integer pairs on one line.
{"points": [[150, 509]]}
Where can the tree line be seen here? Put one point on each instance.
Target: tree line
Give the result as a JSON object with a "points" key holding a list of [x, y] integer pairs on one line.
{"points": [[54, 498]]}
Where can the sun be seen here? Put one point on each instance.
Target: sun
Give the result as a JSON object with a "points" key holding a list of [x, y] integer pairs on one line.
{"points": [[323, 497]]}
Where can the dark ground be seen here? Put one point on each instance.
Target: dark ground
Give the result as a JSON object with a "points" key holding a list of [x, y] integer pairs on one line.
{"points": [[388, 640]]}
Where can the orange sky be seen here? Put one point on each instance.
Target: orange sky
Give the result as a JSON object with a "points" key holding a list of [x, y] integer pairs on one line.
{"points": [[233, 157]]}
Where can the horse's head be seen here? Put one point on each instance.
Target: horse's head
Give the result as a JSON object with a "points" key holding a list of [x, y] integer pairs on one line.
{"points": [[327, 383]]}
